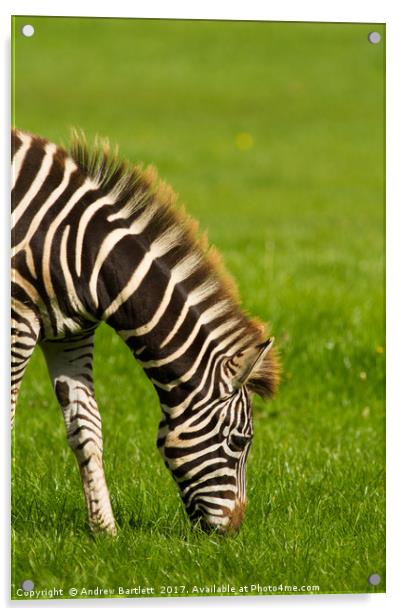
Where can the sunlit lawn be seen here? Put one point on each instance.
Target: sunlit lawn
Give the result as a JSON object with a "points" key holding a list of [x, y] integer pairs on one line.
{"points": [[272, 134]]}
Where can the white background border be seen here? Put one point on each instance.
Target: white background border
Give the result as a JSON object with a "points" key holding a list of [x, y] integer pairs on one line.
{"points": [[387, 11]]}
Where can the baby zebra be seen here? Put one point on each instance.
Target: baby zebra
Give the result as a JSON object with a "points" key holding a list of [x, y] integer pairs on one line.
{"points": [[97, 239]]}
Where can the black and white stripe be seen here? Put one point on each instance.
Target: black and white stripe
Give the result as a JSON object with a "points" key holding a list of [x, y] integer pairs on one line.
{"points": [[96, 240]]}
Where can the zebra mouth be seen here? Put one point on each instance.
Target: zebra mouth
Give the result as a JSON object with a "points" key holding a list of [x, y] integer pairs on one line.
{"points": [[226, 524], [199, 520]]}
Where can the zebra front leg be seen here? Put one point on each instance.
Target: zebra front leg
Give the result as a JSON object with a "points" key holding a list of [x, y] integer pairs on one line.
{"points": [[70, 367], [24, 335]]}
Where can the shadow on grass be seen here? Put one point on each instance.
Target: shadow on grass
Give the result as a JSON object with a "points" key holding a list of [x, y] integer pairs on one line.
{"points": [[33, 518]]}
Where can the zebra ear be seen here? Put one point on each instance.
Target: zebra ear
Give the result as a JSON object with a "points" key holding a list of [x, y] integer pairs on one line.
{"points": [[248, 363]]}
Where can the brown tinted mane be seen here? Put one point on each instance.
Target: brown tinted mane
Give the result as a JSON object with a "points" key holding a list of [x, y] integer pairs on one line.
{"points": [[137, 187]]}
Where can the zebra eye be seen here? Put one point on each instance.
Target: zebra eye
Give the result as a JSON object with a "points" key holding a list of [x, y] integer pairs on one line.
{"points": [[238, 442]]}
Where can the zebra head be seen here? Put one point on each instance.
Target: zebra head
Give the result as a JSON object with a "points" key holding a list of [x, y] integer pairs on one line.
{"points": [[206, 448]]}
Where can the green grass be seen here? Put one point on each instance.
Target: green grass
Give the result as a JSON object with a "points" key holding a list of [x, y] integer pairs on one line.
{"points": [[299, 218]]}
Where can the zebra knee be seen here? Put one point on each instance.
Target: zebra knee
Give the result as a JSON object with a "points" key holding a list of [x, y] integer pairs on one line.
{"points": [[83, 437], [88, 453]]}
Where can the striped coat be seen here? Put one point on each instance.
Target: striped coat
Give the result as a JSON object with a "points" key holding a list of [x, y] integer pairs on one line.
{"points": [[95, 239]]}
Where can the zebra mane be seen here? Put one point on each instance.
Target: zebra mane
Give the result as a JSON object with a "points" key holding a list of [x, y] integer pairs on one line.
{"points": [[137, 187]]}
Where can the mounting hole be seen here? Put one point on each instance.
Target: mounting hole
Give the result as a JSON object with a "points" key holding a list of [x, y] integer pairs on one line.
{"points": [[374, 37], [27, 585], [28, 30], [374, 579]]}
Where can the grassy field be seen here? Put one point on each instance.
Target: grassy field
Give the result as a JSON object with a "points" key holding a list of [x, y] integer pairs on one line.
{"points": [[273, 136]]}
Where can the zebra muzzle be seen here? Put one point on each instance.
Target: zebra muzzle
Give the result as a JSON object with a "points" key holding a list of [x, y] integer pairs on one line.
{"points": [[234, 516]]}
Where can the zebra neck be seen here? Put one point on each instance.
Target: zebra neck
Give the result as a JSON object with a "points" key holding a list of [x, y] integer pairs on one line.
{"points": [[186, 368], [172, 310]]}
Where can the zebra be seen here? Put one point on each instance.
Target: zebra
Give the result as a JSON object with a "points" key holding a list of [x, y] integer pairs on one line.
{"points": [[97, 239]]}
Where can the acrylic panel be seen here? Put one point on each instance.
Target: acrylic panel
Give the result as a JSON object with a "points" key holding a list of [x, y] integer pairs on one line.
{"points": [[218, 283]]}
